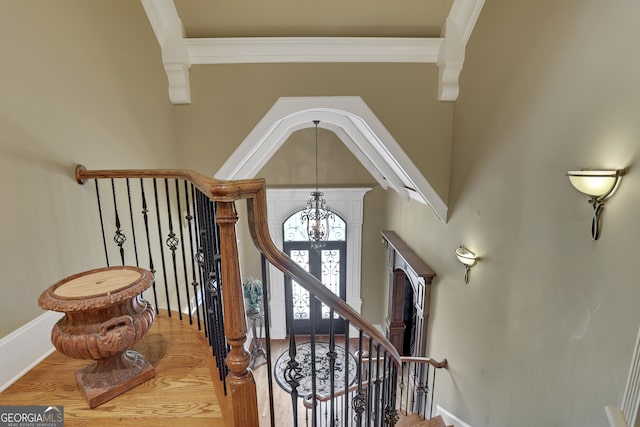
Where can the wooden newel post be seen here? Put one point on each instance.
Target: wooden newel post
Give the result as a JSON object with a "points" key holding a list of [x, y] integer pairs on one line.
{"points": [[240, 378]]}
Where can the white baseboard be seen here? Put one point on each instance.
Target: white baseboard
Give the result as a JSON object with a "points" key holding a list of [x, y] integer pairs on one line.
{"points": [[25, 347], [449, 418]]}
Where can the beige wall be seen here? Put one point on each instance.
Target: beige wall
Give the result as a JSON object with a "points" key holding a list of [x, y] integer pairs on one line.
{"points": [[81, 82], [543, 333]]}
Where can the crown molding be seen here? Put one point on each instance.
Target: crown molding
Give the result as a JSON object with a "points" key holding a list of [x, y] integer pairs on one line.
{"points": [[179, 52]]}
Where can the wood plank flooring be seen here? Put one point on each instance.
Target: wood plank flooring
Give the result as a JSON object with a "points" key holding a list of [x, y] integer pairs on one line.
{"points": [[182, 391]]}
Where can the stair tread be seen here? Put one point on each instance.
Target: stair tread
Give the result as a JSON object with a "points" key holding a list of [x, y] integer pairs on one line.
{"points": [[415, 420]]}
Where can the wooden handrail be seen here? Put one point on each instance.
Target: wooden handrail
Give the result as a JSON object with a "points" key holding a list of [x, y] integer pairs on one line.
{"points": [[405, 359], [254, 191], [258, 227]]}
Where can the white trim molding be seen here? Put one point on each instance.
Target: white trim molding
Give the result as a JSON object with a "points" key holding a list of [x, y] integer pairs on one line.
{"points": [[179, 52], [281, 204], [351, 119], [25, 347]]}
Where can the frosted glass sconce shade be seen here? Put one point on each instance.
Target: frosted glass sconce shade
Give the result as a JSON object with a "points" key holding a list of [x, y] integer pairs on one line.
{"points": [[598, 185], [468, 259]]}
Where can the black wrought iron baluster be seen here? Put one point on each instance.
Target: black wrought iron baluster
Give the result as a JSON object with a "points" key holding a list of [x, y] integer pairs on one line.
{"points": [[386, 380], [119, 238], [160, 243], [104, 236], [402, 385], [433, 392], [427, 367], [312, 314], [184, 259], [267, 339], [217, 269], [133, 227], [411, 387], [377, 417], [393, 413], [213, 286], [293, 371], [369, 380], [194, 283], [145, 217], [331, 355], [199, 256], [358, 398], [172, 243], [346, 372]]}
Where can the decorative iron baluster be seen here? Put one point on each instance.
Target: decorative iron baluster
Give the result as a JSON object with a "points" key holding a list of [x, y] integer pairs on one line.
{"points": [[212, 282], [410, 386], [267, 335], [199, 257], [332, 355], [119, 238], [313, 309], [346, 373], [293, 371], [358, 398], [133, 227], [160, 243], [427, 367], [369, 380], [194, 283], [402, 383], [391, 413], [104, 237], [433, 392], [377, 417], [184, 259], [145, 216], [172, 243]]}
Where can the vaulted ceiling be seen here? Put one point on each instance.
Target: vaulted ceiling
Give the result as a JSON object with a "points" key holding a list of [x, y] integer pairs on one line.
{"points": [[192, 32]]}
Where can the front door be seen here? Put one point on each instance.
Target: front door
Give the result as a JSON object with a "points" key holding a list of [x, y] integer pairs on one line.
{"points": [[327, 264]]}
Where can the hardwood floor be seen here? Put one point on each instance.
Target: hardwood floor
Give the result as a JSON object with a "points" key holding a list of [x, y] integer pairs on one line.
{"points": [[182, 392]]}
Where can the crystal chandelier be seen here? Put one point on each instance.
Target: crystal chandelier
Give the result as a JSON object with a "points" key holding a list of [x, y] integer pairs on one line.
{"points": [[317, 214]]}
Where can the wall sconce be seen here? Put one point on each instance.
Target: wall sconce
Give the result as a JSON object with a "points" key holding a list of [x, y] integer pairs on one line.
{"points": [[598, 185], [468, 259]]}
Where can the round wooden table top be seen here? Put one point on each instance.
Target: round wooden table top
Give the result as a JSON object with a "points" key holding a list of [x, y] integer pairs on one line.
{"points": [[99, 282], [96, 288]]}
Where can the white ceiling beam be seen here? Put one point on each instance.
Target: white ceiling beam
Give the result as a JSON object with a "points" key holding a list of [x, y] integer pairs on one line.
{"points": [[179, 52], [312, 49], [456, 33], [167, 27]]}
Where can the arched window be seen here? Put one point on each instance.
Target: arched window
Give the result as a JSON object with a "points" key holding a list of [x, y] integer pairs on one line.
{"points": [[327, 264]]}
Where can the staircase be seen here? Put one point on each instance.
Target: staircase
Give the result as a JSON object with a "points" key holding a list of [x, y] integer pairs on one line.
{"points": [[415, 420], [186, 236]]}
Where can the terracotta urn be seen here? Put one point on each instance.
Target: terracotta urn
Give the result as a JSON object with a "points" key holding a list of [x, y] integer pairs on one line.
{"points": [[105, 315]]}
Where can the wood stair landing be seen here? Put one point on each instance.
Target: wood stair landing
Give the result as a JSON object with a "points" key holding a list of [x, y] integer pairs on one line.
{"points": [[181, 393], [415, 420]]}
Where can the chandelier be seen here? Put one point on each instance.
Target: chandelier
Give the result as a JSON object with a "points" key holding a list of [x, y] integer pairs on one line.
{"points": [[317, 214]]}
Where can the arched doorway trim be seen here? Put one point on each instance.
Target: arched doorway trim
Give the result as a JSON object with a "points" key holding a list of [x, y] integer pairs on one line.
{"points": [[356, 126]]}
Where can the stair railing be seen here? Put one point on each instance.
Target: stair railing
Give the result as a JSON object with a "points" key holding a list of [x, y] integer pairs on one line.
{"points": [[368, 403]]}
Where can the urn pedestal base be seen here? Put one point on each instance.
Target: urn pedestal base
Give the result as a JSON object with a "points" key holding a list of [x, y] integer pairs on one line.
{"points": [[105, 316], [106, 379]]}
